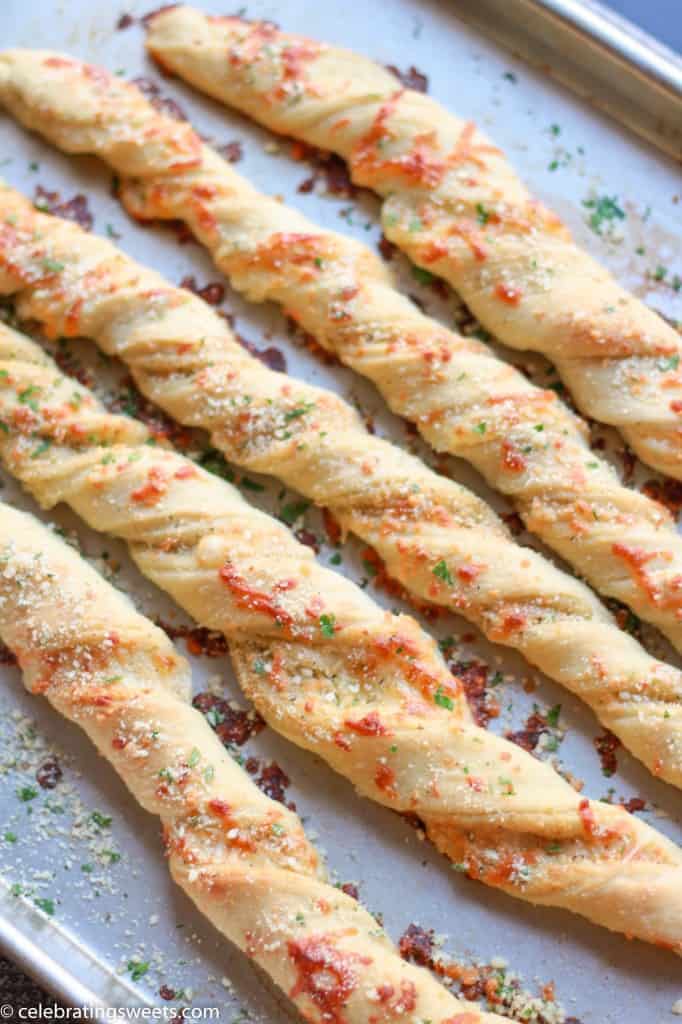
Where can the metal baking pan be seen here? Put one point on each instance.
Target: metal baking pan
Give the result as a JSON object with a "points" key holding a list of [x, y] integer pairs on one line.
{"points": [[601, 56], [121, 933]]}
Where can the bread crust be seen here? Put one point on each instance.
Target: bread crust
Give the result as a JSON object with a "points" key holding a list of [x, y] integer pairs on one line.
{"points": [[365, 690], [509, 257], [464, 400], [242, 858], [442, 542]]}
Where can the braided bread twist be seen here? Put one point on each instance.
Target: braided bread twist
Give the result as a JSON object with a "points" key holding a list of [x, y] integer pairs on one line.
{"points": [[454, 204], [437, 538], [243, 858], [463, 399], [364, 689]]}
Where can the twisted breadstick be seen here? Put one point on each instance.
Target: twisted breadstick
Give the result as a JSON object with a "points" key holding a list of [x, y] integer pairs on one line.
{"points": [[364, 689], [463, 399], [455, 206], [440, 540], [243, 858]]}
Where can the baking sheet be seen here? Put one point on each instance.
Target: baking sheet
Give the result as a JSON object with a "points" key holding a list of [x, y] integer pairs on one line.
{"points": [[602, 57], [109, 917]]}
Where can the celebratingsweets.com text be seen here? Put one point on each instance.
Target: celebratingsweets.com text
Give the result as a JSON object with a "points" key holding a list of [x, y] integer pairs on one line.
{"points": [[52, 1011]]}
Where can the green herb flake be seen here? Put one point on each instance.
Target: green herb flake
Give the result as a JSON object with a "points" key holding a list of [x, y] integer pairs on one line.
{"points": [[28, 397], [327, 625], [441, 570], [27, 793], [137, 969], [604, 211], [422, 276], [669, 363], [102, 820], [40, 449], [482, 215], [442, 700], [46, 905], [214, 462], [552, 716], [300, 410], [293, 511], [52, 266], [194, 757]]}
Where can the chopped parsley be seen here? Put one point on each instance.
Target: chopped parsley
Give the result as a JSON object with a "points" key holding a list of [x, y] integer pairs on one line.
{"points": [[422, 276], [327, 625], [214, 462], [41, 448], [46, 905], [604, 211], [137, 969], [103, 820], [441, 570], [293, 511], [300, 410], [27, 793], [482, 215], [669, 363], [442, 700], [28, 397], [552, 716], [52, 266]]}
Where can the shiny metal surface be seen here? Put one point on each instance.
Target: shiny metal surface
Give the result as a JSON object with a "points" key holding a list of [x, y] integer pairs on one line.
{"points": [[130, 912], [601, 56]]}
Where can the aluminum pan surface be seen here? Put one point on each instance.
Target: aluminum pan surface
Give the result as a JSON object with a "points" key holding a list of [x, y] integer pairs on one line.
{"points": [[131, 911]]}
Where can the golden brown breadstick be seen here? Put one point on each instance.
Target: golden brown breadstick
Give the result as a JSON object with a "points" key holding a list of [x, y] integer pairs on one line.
{"points": [[243, 858], [440, 540], [362, 688], [456, 207], [464, 400]]}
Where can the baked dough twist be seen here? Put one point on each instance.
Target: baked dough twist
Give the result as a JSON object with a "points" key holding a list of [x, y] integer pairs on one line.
{"points": [[456, 207], [242, 858], [362, 688], [463, 399], [437, 538]]}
